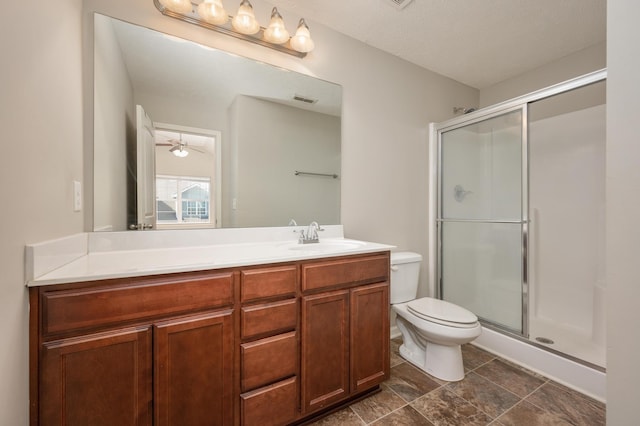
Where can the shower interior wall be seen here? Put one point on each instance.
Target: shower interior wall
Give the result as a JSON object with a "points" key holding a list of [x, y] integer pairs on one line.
{"points": [[566, 256]]}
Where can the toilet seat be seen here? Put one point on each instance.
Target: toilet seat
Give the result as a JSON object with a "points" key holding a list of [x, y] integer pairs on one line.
{"points": [[442, 312]]}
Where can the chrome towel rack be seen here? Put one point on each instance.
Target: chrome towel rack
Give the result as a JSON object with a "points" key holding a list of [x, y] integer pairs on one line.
{"points": [[332, 175]]}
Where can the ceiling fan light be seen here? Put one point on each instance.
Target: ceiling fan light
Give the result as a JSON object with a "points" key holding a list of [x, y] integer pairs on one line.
{"points": [[245, 20], [178, 6], [276, 32], [179, 151], [212, 11], [301, 41]]}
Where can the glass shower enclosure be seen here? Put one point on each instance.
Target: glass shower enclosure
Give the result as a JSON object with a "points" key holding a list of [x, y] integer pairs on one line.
{"points": [[518, 216]]}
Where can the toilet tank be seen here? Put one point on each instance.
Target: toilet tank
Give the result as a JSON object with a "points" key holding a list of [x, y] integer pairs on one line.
{"points": [[405, 273]]}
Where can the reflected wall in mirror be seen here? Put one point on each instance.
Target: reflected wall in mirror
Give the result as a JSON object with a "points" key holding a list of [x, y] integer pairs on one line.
{"points": [[265, 123]]}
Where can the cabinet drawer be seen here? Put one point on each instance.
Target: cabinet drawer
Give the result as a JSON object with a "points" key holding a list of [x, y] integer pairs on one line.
{"points": [[345, 271], [272, 405], [268, 360], [269, 318], [102, 306], [270, 282]]}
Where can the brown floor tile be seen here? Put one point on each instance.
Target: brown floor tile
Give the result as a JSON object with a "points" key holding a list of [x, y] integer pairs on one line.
{"points": [[569, 405], [409, 382], [395, 353], [517, 380], [530, 415], [489, 397], [395, 344], [405, 416], [443, 407], [473, 357], [344, 417], [494, 392], [378, 405]]}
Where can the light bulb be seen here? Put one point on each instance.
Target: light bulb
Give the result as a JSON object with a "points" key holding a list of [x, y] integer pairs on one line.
{"points": [[245, 21], [276, 32], [213, 12], [178, 150], [181, 152], [178, 6], [301, 41]]}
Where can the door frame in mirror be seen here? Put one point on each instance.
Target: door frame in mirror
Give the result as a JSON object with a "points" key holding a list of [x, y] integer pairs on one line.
{"points": [[217, 185]]}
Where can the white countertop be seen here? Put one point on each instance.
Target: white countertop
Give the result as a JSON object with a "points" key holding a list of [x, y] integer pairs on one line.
{"points": [[96, 256]]}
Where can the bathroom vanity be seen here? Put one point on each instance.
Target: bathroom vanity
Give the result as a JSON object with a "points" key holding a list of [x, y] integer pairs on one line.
{"points": [[255, 344]]}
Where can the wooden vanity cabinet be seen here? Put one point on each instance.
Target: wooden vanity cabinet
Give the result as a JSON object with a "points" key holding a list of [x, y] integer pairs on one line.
{"points": [[269, 361], [193, 370], [345, 328], [98, 379], [141, 351], [262, 345]]}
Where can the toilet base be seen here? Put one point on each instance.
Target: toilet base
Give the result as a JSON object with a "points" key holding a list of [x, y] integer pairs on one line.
{"points": [[442, 362]]}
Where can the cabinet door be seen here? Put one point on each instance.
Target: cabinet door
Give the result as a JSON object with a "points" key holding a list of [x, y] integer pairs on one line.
{"points": [[325, 349], [369, 336], [100, 379], [193, 367]]}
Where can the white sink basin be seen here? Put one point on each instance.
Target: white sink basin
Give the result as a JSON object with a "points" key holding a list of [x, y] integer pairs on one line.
{"points": [[328, 246]]}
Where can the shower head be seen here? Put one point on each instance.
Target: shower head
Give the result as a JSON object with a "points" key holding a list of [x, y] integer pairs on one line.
{"points": [[463, 110]]}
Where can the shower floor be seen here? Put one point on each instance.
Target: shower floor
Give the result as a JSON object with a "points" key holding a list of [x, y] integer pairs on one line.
{"points": [[568, 341]]}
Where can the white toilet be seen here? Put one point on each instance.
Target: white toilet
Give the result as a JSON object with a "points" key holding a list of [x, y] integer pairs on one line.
{"points": [[432, 330]]}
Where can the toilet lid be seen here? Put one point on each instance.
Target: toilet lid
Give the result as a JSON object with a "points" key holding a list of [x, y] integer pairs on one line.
{"points": [[441, 311]]}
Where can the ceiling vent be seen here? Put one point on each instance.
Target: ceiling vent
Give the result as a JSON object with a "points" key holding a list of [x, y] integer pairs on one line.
{"points": [[304, 99], [399, 4]]}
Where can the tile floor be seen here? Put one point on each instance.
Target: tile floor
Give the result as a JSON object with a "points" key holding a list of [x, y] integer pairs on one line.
{"points": [[493, 392]]}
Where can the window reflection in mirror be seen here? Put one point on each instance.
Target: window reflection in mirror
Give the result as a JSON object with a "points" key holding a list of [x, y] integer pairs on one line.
{"points": [[264, 133], [187, 179]]}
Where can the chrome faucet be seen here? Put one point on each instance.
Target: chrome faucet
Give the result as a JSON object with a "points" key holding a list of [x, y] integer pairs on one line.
{"points": [[311, 236]]}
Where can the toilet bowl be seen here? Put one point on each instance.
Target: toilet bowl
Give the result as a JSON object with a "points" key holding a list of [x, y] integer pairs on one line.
{"points": [[432, 330]]}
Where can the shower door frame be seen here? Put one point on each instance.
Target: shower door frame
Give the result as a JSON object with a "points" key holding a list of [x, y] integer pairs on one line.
{"points": [[435, 188]]}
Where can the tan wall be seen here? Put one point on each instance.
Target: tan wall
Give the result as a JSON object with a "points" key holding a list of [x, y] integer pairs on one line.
{"points": [[387, 106], [41, 121], [623, 233], [592, 58]]}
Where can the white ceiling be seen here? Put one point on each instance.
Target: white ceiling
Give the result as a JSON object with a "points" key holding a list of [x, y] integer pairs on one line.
{"points": [[476, 42], [169, 67]]}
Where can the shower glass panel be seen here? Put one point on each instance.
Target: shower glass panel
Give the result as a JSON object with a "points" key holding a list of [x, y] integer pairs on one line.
{"points": [[481, 218]]}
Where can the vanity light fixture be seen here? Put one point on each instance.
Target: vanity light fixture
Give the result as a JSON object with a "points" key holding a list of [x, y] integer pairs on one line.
{"points": [[301, 41], [177, 6], [276, 32], [212, 15], [245, 21], [213, 12]]}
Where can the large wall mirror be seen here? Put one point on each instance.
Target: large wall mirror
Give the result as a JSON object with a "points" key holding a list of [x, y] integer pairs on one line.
{"points": [[186, 136]]}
